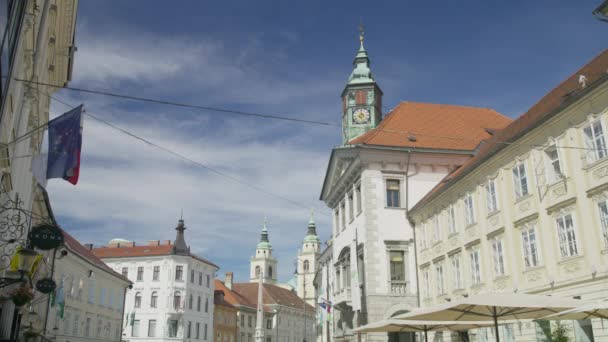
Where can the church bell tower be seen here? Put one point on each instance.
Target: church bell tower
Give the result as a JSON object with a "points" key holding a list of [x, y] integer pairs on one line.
{"points": [[263, 262], [361, 98], [308, 259]]}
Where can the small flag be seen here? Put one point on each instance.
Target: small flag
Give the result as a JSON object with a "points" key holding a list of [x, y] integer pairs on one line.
{"points": [[65, 143], [60, 300]]}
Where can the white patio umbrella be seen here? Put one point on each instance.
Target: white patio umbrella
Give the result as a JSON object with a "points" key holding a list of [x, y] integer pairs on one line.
{"points": [[591, 310], [402, 325], [492, 307]]}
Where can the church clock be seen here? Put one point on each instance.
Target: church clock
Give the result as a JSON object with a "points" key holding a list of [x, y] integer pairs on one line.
{"points": [[361, 116]]}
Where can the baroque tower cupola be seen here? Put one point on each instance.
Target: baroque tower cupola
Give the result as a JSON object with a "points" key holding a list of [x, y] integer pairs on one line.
{"points": [[179, 245], [307, 262], [263, 262], [361, 98]]}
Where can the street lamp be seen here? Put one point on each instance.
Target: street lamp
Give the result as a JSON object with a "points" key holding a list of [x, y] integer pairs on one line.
{"points": [[602, 11], [25, 260]]}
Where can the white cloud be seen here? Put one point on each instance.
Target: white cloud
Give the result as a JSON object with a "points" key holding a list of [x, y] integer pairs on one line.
{"points": [[132, 190]]}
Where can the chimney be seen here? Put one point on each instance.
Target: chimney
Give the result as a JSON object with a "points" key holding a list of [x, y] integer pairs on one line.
{"points": [[88, 246], [228, 280], [154, 243]]}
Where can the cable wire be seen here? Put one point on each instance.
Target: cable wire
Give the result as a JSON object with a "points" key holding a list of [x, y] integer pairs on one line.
{"points": [[270, 116], [181, 156], [184, 105]]}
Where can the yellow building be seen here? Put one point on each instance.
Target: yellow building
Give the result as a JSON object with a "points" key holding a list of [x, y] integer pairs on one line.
{"points": [[529, 212], [224, 319]]}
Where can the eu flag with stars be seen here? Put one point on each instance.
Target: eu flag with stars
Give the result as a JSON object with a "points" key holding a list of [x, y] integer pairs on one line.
{"points": [[65, 142]]}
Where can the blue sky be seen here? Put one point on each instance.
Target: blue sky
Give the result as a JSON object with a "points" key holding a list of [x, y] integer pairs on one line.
{"points": [[286, 58]]}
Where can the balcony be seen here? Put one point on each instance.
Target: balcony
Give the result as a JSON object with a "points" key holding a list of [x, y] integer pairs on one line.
{"points": [[398, 288], [342, 296]]}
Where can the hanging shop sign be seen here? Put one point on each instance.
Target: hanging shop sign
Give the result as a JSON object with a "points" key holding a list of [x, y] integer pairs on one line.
{"points": [[46, 236], [46, 285]]}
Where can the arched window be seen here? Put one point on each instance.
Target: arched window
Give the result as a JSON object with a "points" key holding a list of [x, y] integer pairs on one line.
{"points": [[138, 300], [269, 272], [154, 299], [177, 300], [190, 301], [306, 266], [257, 271], [198, 304]]}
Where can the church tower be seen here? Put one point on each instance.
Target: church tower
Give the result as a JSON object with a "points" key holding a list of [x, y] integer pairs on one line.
{"points": [[307, 263], [361, 98], [262, 261]]}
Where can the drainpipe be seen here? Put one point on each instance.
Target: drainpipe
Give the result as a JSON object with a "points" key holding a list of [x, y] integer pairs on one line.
{"points": [[124, 299], [412, 224]]}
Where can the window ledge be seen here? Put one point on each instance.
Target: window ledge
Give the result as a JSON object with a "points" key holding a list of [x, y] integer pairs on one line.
{"points": [[394, 208], [555, 183], [477, 285], [523, 198], [470, 225], [494, 213], [451, 235], [534, 268], [604, 250], [502, 277], [595, 163], [565, 260]]}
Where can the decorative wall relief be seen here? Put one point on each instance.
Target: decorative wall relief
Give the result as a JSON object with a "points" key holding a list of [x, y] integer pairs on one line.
{"points": [[601, 172], [572, 267], [559, 191], [533, 276], [524, 206]]}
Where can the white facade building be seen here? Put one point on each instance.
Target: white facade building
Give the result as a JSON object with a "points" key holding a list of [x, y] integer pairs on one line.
{"points": [[529, 213], [173, 290], [94, 297], [384, 166]]}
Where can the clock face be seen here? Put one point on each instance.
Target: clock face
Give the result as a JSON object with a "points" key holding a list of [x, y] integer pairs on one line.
{"points": [[361, 115]]}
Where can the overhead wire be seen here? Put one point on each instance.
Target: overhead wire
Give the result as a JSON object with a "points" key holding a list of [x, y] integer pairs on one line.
{"points": [[184, 157], [284, 118], [184, 105]]}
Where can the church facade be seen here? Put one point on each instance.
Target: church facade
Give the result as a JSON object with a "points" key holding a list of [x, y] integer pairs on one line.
{"points": [[383, 167]]}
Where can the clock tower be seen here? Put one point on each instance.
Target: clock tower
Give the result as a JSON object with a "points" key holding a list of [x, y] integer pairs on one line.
{"points": [[361, 98]]}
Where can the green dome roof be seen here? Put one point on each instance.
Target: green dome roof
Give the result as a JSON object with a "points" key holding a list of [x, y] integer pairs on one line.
{"points": [[311, 235], [264, 241], [312, 238]]}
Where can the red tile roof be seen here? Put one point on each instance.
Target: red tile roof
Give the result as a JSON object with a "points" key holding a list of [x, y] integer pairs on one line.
{"points": [[272, 294], [141, 251], [233, 297], [434, 126], [76, 247], [566, 93], [219, 299]]}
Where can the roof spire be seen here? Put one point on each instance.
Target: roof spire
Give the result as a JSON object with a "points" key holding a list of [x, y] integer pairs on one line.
{"points": [[179, 245], [311, 235], [361, 34], [264, 242]]}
